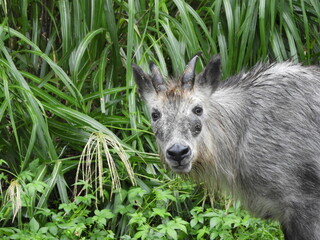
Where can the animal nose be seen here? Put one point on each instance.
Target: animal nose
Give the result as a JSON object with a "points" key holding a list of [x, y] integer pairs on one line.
{"points": [[178, 152]]}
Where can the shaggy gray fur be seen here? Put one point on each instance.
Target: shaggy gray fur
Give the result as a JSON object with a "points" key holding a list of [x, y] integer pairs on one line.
{"points": [[255, 135]]}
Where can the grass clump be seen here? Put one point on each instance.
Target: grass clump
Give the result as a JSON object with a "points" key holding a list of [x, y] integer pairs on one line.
{"points": [[93, 152]]}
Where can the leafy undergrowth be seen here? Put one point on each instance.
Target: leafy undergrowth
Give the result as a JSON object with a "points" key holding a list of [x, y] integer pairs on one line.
{"points": [[139, 214]]}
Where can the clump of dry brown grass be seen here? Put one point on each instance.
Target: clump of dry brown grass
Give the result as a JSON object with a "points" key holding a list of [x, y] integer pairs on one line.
{"points": [[13, 195], [91, 163]]}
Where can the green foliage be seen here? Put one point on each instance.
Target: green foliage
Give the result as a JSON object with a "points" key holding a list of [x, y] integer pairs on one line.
{"points": [[67, 96], [143, 215]]}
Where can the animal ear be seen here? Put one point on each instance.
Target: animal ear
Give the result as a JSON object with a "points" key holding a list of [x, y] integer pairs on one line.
{"points": [[143, 81], [148, 84], [189, 74], [210, 76]]}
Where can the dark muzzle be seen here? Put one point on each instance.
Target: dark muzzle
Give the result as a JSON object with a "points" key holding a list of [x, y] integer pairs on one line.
{"points": [[178, 153]]}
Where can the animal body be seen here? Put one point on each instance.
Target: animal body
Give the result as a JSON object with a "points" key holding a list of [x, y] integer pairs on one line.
{"points": [[255, 135]]}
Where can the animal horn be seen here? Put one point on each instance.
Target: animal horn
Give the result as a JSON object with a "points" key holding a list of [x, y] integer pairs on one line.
{"points": [[189, 73], [157, 79]]}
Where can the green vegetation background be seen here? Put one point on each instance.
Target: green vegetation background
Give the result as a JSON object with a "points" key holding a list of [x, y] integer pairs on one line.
{"points": [[69, 112]]}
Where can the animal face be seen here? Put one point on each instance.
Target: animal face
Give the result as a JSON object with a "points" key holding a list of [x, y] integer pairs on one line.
{"points": [[179, 111]]}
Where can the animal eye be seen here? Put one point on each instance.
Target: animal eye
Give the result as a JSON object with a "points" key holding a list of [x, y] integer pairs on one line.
{"points": [[155, 115], [197, 110]]}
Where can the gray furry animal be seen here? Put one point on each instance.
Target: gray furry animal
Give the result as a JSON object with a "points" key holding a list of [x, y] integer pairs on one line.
{"points": [[256, 135]]}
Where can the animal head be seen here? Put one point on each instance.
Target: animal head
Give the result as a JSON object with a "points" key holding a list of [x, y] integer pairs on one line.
{"points": [[179, 111]]}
